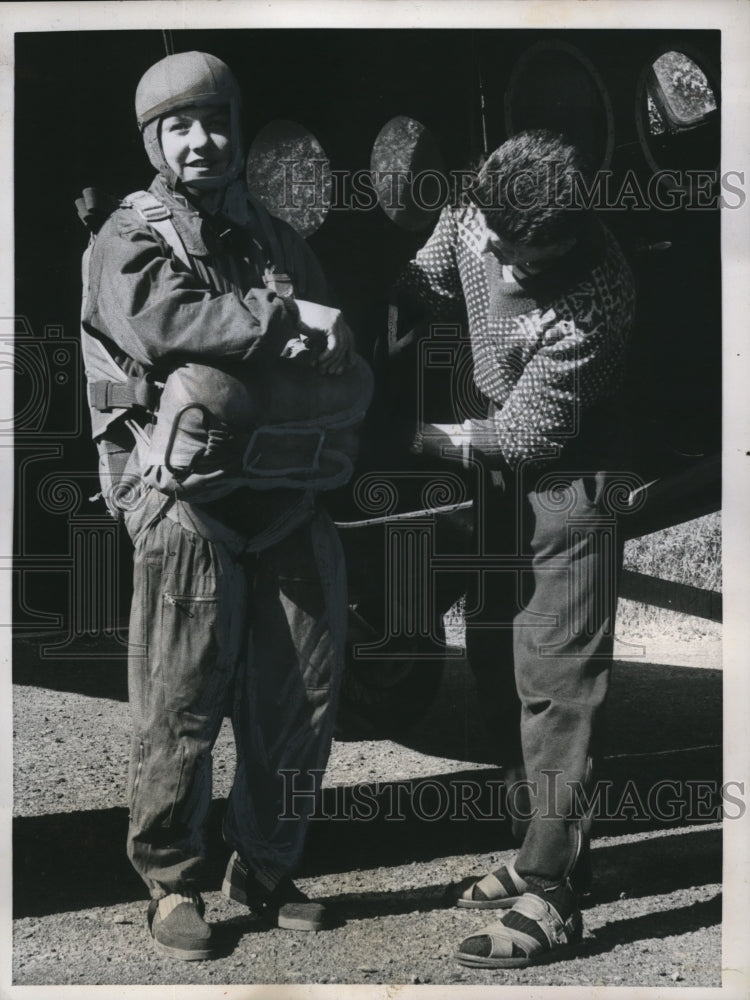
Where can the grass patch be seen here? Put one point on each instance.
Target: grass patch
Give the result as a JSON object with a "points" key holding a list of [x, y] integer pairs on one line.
{"points": [[688, 553]]}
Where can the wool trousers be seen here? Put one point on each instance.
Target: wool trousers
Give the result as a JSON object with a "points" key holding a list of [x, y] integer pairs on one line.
{"points": [[539, 637]]}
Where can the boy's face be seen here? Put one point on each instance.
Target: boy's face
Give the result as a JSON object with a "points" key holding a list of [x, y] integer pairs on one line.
{"points": [[196, 142], [530, 259]]}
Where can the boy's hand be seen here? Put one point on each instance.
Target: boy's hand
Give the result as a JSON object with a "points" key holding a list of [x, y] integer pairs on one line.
{"points": [[444, 440], [339, 352]]}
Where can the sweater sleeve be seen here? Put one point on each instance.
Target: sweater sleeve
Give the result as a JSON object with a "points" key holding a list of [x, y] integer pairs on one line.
{"points": [[156, 310], [572, 370], [430, 283]]}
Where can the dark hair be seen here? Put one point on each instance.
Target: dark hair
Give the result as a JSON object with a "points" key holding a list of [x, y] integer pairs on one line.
{"points": [[527, 189]]}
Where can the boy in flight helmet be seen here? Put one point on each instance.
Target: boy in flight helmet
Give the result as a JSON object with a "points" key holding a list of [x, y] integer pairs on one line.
{"points": [[239, 603]]}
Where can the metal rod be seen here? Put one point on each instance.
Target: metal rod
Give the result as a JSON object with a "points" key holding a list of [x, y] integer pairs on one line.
{"points": [[407, 516]]}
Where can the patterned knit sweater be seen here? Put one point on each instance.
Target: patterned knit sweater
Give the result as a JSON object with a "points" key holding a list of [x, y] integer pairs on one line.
{"points": [[547, 348]]}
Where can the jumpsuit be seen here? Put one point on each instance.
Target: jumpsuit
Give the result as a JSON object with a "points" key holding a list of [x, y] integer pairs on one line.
{"points": [[219, 626]]}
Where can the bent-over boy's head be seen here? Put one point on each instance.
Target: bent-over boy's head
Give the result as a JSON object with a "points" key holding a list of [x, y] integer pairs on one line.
{"points": [[188, 110], [527, 191]]}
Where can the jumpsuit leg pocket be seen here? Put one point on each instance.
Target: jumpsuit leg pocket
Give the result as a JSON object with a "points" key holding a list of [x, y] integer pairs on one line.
{"points": [[193, 660]]}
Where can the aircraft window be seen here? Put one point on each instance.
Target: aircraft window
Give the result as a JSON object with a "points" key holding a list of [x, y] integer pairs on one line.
{"points": [[682, 89], [554, 85], [677, 113], [288, 170], [408, 172]]}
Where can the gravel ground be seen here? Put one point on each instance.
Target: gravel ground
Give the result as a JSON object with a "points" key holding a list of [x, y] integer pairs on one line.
{"points": [[653, 920], [666, 939]]}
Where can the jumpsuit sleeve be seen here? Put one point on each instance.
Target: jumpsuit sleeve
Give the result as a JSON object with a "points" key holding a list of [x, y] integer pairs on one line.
{"points": [[572, 370], [430, 283], [156, 310]]}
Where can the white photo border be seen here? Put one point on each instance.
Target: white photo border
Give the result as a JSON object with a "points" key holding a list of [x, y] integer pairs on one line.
{"points": [[733, 19]]}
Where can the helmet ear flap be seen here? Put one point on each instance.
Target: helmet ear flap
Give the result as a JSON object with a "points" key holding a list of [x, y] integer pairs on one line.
{"points": [[152, 142]]}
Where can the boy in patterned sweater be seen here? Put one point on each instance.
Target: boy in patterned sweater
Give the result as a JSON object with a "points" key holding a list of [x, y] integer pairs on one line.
{"points": [[549, 301]]}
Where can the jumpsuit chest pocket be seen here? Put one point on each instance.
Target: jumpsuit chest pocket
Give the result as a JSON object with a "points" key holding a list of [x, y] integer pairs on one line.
{"points": [[194, 667]]}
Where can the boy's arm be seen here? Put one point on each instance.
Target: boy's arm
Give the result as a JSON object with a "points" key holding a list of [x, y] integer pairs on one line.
{"points": [[157, 311], [430, 284]]}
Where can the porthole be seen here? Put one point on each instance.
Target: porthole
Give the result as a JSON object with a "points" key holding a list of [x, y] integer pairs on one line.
{"points": [[686, 97], [408, 173], [555, 86], [288, 170], [677, 112]]}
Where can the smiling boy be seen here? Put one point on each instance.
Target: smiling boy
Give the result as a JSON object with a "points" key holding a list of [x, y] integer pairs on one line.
{"points": [[239, 605], [196, 142]]}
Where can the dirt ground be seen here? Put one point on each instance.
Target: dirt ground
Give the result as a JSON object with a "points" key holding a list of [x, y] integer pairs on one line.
{"points": [[653, 918]]}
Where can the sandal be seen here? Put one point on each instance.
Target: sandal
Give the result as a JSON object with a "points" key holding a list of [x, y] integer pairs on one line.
{"points": [[498, 890], [532, 933]]}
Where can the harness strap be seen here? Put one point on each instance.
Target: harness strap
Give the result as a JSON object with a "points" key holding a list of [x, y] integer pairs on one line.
{"points": [[106, 396], [159, 217], [148, 205]]}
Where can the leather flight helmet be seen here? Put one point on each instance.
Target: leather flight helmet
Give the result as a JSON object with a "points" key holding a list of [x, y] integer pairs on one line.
{"points": [[179, 81]]}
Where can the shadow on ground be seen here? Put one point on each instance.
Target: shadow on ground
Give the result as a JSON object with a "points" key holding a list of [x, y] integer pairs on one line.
{"points": [[680, 920], [650, 706], [65, 862], [70, 861], [93, 667]]}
